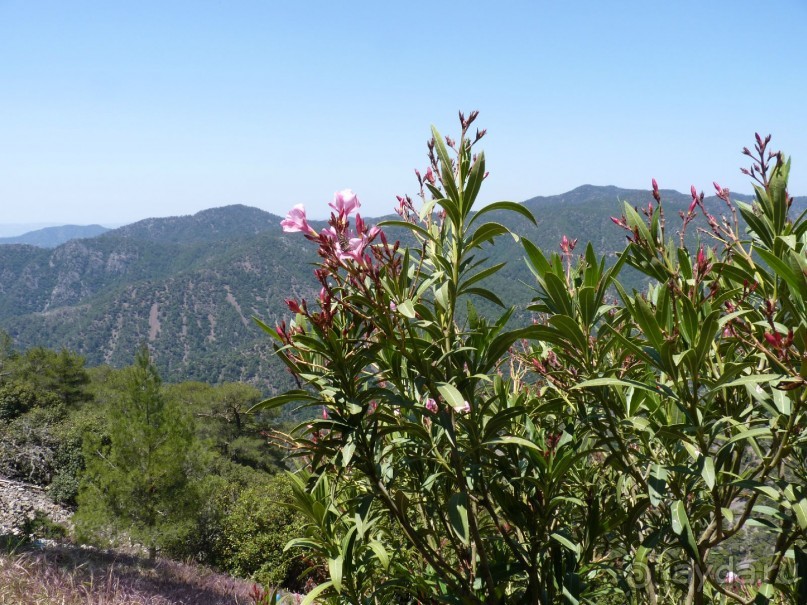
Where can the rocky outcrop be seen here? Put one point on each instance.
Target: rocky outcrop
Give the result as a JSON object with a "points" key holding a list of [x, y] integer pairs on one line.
{"points": [[20, 502]]}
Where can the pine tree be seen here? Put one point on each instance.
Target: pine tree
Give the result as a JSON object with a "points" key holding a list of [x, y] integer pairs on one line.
{"points": [[136, 480]]}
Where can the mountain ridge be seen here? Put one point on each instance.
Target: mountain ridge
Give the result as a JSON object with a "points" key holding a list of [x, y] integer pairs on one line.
{"points": [[189, 286], [52, 237]]}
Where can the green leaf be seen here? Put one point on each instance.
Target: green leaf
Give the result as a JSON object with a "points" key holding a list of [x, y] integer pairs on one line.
{"points": [[646, 319], [747, 434], [536, 261], [657, 484], [475, 178], [708, 472], [480, 276], [484, 293], [782, 402], [407, 309], [288, 397], [682, 529], [800, 508], [750, 379], [781, 268], [458, 516], [764, 594], [446, 170], [310, 598], [381, 553], [513, 440], [406, 225], [561, 539], [636, 222], [335, 571], [451, 395], [613, 382], [512, 206], [487, 232]]}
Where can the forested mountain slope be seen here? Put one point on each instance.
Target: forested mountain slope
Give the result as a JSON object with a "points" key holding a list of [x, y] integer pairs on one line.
{"points": [[189, 286]]}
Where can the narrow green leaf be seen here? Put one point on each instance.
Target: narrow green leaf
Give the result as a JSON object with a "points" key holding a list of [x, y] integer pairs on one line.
{"points": [[458, 516], [446, 170], [406, 225], [750, 379], [800, 508], [657, 484], [487, 232], [484, 293], [451, 395], [512, 206], [480, 276], [561, 539], [613, 382], [310, 598], [748, 434], [407, 309], [636, 222], [781, 268], [513, 440], [682, 529], [475, 178], [335, 571], [288, 397], [708, 472], [381, 553]]}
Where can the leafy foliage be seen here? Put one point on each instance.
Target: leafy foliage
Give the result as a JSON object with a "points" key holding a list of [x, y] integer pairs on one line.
{"points": [[609, 452]]}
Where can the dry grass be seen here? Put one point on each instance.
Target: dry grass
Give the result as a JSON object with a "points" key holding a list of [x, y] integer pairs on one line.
{"points": [[72, 576]]}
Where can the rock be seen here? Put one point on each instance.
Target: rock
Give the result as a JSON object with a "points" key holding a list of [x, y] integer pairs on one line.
{"points": [[20, 502]]}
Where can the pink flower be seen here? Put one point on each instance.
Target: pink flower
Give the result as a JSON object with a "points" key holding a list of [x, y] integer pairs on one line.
{"points": [[731, 577], [355, 250], [567, 245], [431, 405], [466, 407], [345, 202], [296, 221]]}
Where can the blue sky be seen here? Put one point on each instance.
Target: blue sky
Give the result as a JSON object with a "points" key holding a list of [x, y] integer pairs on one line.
{"points": [[115, 111]]}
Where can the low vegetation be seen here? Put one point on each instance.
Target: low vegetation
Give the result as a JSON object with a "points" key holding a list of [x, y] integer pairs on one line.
{"points": [[180, 470], [73, 576]]}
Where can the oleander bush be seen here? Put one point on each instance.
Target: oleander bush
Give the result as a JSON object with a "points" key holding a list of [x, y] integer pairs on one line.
{"points": [[614, 451]]}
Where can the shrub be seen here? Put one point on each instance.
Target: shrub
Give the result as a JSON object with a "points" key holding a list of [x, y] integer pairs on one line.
{"points": [[256, 530], [603, 454]]}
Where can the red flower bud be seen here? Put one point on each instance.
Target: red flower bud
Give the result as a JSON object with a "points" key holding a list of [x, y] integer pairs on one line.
{"points": [[775, 340]]}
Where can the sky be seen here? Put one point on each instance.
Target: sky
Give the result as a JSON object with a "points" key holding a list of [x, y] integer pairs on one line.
{"points": [[111, 112]]}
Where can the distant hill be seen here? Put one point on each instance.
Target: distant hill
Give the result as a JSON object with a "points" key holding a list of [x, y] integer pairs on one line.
{"points": [[51, 237], [189, 286]]}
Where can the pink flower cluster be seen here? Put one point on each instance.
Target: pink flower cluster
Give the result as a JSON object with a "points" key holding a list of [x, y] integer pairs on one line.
{"points": [[348, 244], [348, 258]]}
